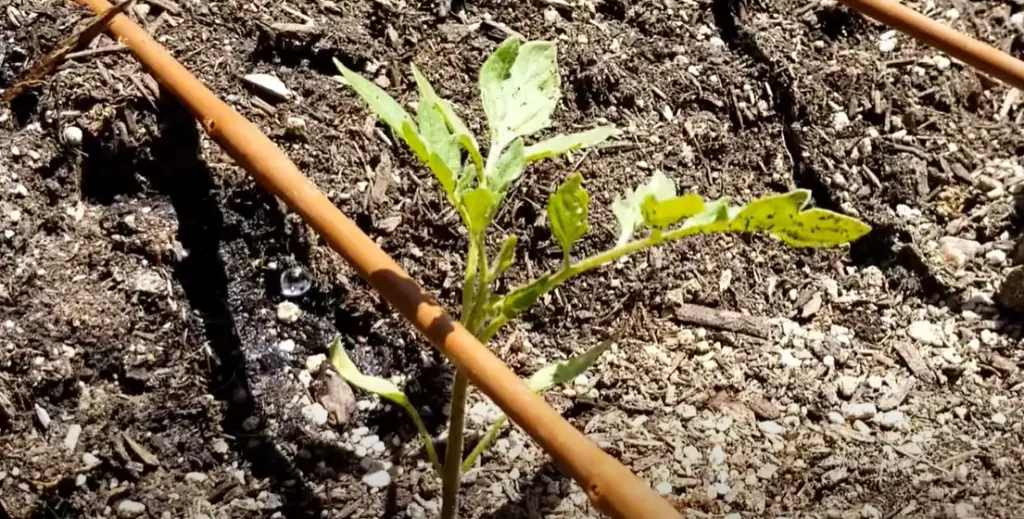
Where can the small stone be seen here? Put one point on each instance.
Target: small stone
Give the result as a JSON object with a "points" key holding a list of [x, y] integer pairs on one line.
{"points": [[887, 44], [875, 382], [995, 257], [382, 81], [764, 409], [273, 502], [840, 121], [90, 460], [717, 456], [847, 386], [941, 62], [288, 312], [892, 420], [81, 480], [999, 419], [379, 479], [313, 362], [862, 411], [286, 346], [912, 449], [551, 16], [721, 489], [129, 508], [664, 488], [196, 477], [686, 411], [788, 359], [870, 512], [295, 124], [769, 427], [691, 453], [957, 251], [251, 423], [270, 85], [834, 477], [73, 136], [220, 446], [315, 413], [925, 332], [835, 417], [71, 438], [43, 417]]}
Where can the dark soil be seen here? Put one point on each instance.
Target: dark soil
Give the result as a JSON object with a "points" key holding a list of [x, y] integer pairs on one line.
{"points": [[727, 97]]}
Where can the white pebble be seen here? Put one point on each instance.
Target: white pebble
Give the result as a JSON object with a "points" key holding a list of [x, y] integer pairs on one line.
{"points": [[73, 136], [664, 488], [840, 120], [129, 508], [941, 62], [288, 312], [315, 413], [925, 332], [286, 346], [71, 438], [769, 427], [995, 257], [892, 420], [999, 419], [862, 411], [43, 416], [313, 362], [270, 85], [717, 455], [379, 479]]}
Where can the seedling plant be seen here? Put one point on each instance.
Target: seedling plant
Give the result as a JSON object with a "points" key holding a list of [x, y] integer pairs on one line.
{"points": [[519, 89]]}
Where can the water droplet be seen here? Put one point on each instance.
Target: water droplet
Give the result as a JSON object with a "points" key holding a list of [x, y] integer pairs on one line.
{"points": [[295, 282]]}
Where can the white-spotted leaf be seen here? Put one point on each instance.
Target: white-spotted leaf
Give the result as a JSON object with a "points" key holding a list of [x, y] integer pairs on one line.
{"points": [[520, 87], [561, 144], [509, 168], [455, 123], [660, 214]]}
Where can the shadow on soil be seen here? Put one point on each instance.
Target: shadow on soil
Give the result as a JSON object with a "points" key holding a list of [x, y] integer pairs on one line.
{"points": [[533, 492]]}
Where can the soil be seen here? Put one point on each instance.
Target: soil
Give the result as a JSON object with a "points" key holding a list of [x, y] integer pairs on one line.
{"points": [[141, 365]]}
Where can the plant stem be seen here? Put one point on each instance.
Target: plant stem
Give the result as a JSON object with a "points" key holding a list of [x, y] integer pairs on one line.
{"points": [[452, 477]]}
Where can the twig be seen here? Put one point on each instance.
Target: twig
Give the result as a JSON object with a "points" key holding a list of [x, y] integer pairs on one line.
{"points": [[45, 66], [117, 47], [724, 320]]}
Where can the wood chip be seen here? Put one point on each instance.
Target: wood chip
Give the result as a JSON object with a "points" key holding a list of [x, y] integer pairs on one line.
{"points": [[895, 397], [723, 320], [147, 457], [915, 363], [764, 409]]}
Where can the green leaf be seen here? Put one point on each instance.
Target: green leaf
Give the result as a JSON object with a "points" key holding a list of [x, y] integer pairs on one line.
{"points": [[715, 216], [628, 208], [383, 388], [561, 144], [522, 298], [451, 118], [435, 134], [480, 205], [568, 209], [465, 181], [822, 228], [566, 370], [771, 211], [664, 213], [509, 168], [505, 257], [520, 87], [385, 106]]}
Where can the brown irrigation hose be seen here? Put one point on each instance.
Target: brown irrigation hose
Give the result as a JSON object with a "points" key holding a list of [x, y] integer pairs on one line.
{"points": [[612, 488], [979, 55]]}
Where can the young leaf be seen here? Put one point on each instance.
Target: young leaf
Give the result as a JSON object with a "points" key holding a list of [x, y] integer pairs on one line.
{"points": [[504, 259], [771, 211], [562, 144], [434, 133], [386, 108], [715, 216], [493, 74], [568, 209], [628, 209], [559, 372], [383, 388], [660, 214], [520, 88], [509, 168], [455, 123], [480, 206]]}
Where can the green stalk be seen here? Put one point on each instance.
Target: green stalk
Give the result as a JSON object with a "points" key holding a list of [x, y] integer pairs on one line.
{"points": [[588, 264], [484, 442], [452, 477], [474, 296]]}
